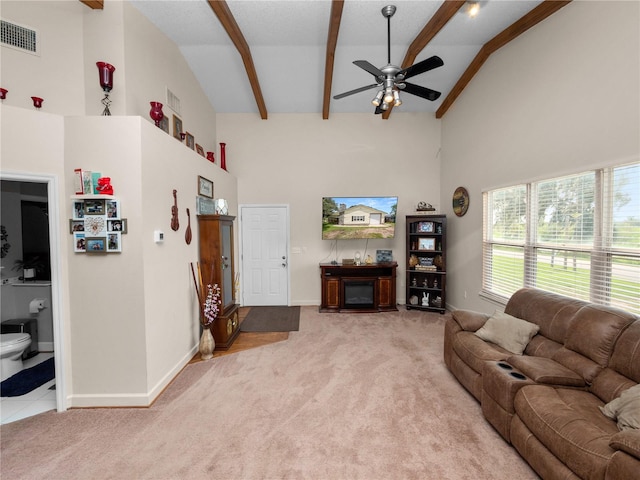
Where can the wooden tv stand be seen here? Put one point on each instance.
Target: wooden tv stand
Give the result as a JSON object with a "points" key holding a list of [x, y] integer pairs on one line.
{"points": [[358, 288]]}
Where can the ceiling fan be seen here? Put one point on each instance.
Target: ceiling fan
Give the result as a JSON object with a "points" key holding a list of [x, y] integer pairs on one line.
{"points": [[391, 78]]}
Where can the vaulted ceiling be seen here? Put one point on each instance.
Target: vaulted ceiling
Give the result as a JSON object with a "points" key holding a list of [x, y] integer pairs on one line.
{"points": [[293, 56]]}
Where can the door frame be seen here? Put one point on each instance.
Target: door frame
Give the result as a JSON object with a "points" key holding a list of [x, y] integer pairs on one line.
{"points": [[53, 197], [240, 239]]}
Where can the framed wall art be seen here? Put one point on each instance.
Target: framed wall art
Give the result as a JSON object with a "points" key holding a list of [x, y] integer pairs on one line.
{"points": [[76, 226], [191, 141], [79, 242], [113, 208], [177, 127], [118, 225], [427, 244], [77, 212], [425, 227], [205, 187], [96, 244], [94, 207], [114, 242], [199, 149]]}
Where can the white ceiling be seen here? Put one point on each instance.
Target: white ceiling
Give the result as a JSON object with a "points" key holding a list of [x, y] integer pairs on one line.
{"points": [[288, 38]]}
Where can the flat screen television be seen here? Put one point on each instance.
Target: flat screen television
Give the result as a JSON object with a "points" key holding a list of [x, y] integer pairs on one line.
{"points": [[350, 218]]}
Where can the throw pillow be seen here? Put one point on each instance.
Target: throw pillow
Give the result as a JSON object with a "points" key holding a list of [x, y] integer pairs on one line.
{"points": [[625, 409], [511, 333]]}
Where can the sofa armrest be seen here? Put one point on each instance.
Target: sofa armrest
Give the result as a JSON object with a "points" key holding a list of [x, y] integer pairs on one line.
{"points": [[468, 320], [628, 441], [545, 370]]}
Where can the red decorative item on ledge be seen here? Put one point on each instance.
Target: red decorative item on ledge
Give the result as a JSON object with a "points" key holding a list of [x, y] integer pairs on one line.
{"points": [[3, 93], [37, 101], [211, 157], [104, 186], [105, 73], [223, 157], [156, 112]]}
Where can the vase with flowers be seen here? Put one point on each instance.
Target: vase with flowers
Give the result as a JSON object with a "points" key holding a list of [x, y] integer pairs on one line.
{"points": [[209, 306]]}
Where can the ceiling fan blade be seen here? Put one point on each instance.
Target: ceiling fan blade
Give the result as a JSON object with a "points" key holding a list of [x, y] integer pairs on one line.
{"points": [[421, 91], [421, 67], [378, 110], [373, 70], [357, 90]]}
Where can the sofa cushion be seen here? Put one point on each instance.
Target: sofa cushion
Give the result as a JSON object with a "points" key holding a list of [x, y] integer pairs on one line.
{"points": [[511, 333], [625, 409], [474, 351], [628, 441], [554, 313], [595, 330], [545, 370], [569, 423], [626, 353]]}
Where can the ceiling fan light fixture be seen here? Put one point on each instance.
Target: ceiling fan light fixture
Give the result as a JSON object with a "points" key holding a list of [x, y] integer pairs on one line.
{"points": [[377, 99], [385, 106], [472, 9], [388, 95], [396, 99]]}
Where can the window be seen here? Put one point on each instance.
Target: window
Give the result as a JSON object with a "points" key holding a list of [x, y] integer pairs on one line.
{"points": [[577, 235], [357, 218]]}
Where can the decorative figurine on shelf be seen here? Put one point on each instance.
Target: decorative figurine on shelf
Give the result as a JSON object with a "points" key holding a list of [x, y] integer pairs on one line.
{"points": [[414, 283], [424, 207], [104, 186], [435, 283], [425, 284], [425, 299], [368, 260]]}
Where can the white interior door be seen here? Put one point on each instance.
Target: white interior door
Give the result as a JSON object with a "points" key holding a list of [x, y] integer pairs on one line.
{"points": [[264, 255]]}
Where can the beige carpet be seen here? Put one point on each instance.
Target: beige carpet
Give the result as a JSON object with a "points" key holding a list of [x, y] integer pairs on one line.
{"points": [[349, 396]]}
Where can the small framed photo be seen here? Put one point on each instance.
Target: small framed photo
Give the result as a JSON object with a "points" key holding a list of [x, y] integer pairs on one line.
{"points": [[199, 149], [96, 244], [177, 127], [94, 207], [78, 210], [164, 124], [114, 242], [425, 261], [384, 256], [113, 208], [79, 242], [425, 227], [119, 225], [205, 187], [95, 225], [191, 141], [427, 244], [76, 226]]}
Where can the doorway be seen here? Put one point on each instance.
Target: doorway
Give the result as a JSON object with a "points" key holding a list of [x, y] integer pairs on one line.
{"points": [[38, 194], [264, 255]]}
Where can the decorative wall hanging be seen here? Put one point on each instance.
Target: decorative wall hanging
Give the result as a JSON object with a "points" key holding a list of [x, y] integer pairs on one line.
{"points": [[460, 201], [187, 233], [205, 187], [96, 225], [223, 156], [37, 102], [177, 128], [175, 224], [3, 93]]}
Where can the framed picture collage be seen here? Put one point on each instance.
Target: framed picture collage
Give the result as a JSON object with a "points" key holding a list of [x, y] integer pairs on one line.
{"points": [[97, 225]]}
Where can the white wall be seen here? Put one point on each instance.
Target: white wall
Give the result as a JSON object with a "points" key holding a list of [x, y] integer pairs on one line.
{"points": [[129, 320], [297, 159], [562, 98]]}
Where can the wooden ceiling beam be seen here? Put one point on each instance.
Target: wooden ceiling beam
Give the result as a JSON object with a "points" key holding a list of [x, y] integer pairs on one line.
{"points": [[222, 11], [95, 4], [332, 41], [535, 16], [445, 13]]}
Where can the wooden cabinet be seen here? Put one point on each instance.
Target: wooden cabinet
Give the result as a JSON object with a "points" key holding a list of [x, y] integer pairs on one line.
{"points": [[426, 262], [358, 288], [215, 239]]}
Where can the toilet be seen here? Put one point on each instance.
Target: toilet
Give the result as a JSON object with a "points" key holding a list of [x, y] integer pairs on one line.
{"points": [[12, 345]]}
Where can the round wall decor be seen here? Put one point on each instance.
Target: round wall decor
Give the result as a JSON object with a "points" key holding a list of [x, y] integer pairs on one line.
{"points": [[460, 201]]}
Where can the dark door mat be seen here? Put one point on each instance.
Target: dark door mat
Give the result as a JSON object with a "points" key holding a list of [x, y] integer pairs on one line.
{"points": [[28, 379], [272, 319]]}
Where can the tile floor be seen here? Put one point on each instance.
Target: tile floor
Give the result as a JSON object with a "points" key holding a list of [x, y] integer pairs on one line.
{"points": [[37, 401]]}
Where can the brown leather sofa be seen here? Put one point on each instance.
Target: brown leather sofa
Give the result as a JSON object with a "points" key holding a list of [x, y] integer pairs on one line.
{"points": [[547, 402]]}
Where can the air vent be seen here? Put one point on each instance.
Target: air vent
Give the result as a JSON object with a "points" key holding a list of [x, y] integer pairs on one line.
{"points": [[19, 37], [173, 102]]}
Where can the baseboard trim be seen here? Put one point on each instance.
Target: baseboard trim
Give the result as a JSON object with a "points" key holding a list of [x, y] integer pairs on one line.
{"points": [[131, 399]]}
